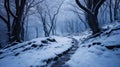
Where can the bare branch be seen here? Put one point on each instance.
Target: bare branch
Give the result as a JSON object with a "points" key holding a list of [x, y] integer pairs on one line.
{"points": [[98, 5], [1, 17], [37, 3], [8, 6], [54, 16], [75, 11], [81, 6]]}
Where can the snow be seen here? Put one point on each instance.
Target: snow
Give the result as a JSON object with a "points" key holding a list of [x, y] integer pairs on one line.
{"points": [[93, 57], [82, 36], [34, 56], [94, 53]]}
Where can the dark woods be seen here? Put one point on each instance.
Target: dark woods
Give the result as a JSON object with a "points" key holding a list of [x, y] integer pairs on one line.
{"points": [[17, 11], [14, 20]]}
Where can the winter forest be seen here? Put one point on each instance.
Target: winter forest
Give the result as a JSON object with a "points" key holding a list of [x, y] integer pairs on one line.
{"points": [[59, 33]]}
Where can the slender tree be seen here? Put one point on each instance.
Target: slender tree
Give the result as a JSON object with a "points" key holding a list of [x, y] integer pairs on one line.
{"points": [[110, 8], [116, 8], [48, 17]]}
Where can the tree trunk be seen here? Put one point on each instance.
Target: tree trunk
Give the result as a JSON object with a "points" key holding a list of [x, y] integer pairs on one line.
{"points": [[93, 23], [110, 8], [16, 32], [91, 10], [116, 9], [17, 23]]}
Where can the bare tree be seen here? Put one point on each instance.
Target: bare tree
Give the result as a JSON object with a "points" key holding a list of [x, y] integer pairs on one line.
{"points": [[42, 16], [15, 13], [17, 23], [116, 7], [27, 12], [110, 8], [14, 16], [48, 18], [53, 18], [92, 9], [79, 14]]}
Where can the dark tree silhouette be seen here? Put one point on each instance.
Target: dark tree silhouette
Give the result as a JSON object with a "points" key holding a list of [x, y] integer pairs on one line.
{"points": [[14, 16], [91, 10]]}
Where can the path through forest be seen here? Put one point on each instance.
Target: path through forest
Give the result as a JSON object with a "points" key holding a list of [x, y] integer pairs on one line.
{"points": [[60, 62]]}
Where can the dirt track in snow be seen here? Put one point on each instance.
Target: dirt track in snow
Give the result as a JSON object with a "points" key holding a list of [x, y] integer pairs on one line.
{"points": [[60, 62]]}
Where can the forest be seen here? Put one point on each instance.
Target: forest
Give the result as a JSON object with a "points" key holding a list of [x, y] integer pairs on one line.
{"points": [[59, 33]]}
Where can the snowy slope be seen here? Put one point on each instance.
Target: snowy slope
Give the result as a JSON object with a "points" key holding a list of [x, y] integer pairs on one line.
{"points": [[34, 52], [101, 51]]}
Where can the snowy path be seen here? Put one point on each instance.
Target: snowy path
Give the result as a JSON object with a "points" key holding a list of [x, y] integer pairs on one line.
{"points": [[60, 62], [35, 53], [100, 51]]}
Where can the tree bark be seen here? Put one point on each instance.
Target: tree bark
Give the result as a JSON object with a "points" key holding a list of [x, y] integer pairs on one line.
{"points": [[17, 27], [93, 23], [91, 13], [110, 8]]}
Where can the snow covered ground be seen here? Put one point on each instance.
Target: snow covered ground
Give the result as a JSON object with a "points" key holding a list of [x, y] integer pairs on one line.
{"points": [[34, 52], [98, 51], [80, 37]]}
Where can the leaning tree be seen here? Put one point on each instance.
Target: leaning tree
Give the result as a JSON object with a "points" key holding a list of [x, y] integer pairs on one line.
{"points": [[91, 9]]}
